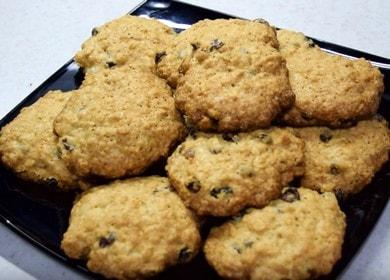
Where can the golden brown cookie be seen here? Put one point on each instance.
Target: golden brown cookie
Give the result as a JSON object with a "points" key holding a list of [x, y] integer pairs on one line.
{"points": [[28, 145], [228, 74], [221, 174], [131, 229], [118, 124], [128, 40], [296, 237], [344, 160], [329, 89]]}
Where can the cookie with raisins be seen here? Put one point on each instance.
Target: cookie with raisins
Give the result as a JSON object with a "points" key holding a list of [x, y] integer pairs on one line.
{"points": [[329, 89], [298, 236], [344, 160], [128, 41], [28, 145], [131, 229], [220, 174], [228, 74], [118, 124]]}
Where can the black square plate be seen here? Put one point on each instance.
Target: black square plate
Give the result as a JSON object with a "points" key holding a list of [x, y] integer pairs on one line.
{"points": [[41, 215]]}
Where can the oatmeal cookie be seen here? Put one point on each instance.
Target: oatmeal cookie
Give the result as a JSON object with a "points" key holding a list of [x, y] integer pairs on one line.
{"points": [[28, 145], [347, 159], [296, 237], [131, 229], [221, 174], [118, 124], [228, 74], [329, 89], [128, 40]]}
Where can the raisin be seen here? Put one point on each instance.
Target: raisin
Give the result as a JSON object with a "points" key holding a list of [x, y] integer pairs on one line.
{"points": [[111, 64], [94, 31], [311, 44], [194, 186], [195, 46], [184, 255], [290, 195], [326, 136], [159, 57], [51, 182], [107, 241], [230, 137], [216, 44], [248, 244], [68, 146], [334, 170], [226, 190], [237, 249], [265, 138]]}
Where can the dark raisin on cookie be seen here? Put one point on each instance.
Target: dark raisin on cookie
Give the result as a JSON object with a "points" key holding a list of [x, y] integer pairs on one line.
{"points": [[159, 57], [195, 46], [193, 186], [326, 136], [226, 190], [111, 64], [94, 31], [68, 146], [290, 195], [107, 241], [265, 138], [216, 44], [334, 169], [230, 137]]}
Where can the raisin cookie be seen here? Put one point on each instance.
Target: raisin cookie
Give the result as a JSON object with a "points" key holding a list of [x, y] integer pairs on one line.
{"points": [[329, 89], [118, 124], [28, 145], [296, 237], [131, 229], [128, 40], [228, 74], [221, 174], [344, 159]]}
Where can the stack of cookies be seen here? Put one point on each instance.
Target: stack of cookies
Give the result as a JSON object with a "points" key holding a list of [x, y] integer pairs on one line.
{"points": [[240, 111]]}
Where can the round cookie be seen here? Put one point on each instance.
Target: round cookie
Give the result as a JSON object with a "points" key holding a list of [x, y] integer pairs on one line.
{"points": [[296, 237], [128, 40], [131, 229], [344, 160], [118, 124], [329, 89], [28, 145], [221, 174], [228, 74]]}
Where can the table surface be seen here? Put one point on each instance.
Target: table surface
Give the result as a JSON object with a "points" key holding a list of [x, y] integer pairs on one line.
{"points": [[37, 37]]}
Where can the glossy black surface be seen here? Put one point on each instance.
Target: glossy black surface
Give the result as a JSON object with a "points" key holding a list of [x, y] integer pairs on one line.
{"points": [[41, 214]]}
